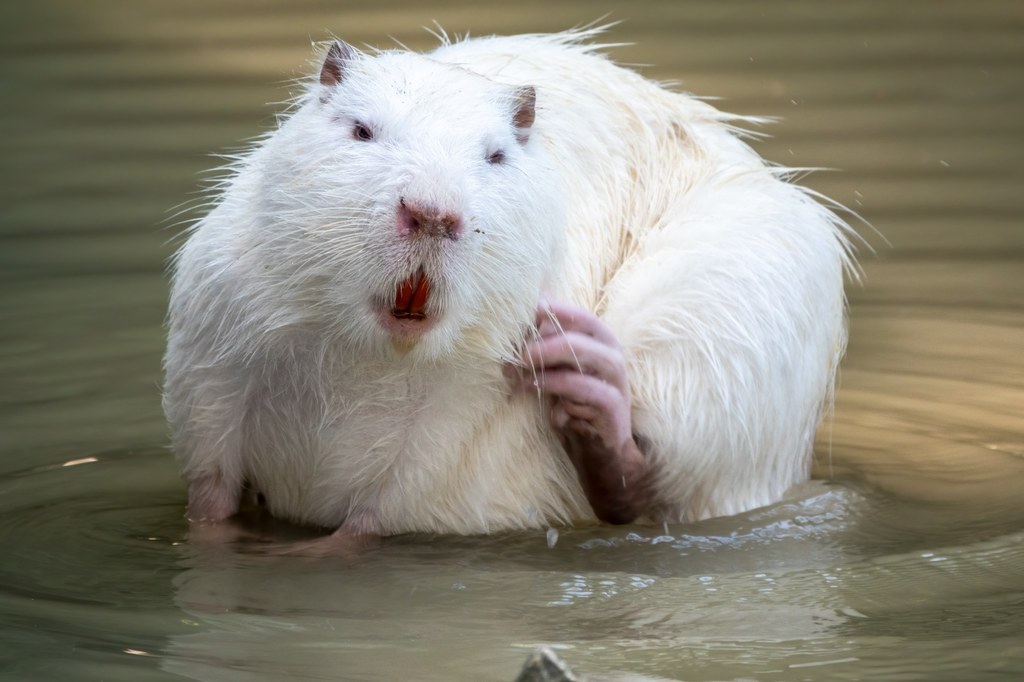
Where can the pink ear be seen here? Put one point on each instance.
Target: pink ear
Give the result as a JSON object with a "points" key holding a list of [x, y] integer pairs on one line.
{"points": [[334, 63], [525, 112]]}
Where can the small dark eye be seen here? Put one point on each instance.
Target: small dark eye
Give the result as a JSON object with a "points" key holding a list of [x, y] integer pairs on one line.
{"points": [[362, 132], [496, 157]]}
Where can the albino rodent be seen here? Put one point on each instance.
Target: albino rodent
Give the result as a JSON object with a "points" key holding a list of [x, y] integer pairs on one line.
{"points": [[355, 325]]}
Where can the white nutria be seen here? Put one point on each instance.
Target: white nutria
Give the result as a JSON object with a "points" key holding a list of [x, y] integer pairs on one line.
{"points": [[343, 320]]}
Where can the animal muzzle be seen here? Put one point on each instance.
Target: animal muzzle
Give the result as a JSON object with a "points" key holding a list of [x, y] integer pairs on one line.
{"points": [[424, 220]]}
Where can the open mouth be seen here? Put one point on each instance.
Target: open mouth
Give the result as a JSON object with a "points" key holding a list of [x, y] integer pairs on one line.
{"points": [[411, 297]]}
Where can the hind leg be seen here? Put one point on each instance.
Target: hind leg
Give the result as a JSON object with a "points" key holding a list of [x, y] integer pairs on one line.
{"points": [[212, 501], [211, 498]]}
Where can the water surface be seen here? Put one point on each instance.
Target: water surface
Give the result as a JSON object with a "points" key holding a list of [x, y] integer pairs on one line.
{"points": [[905, 560]]}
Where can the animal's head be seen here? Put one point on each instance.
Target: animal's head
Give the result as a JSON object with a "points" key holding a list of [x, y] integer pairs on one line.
{"points": [[418, 200]]}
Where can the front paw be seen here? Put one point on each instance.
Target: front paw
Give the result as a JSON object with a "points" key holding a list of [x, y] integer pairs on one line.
{"points": [[577, 363]]}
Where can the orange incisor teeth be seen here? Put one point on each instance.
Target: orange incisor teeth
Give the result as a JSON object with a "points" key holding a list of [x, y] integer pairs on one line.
{"points": [[411, 297]]}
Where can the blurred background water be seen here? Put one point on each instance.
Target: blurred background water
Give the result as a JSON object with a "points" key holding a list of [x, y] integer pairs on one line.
{"points": [[905, 560]]}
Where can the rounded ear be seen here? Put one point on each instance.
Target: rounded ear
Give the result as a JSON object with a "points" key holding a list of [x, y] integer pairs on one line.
{"points": [[333, 70], [525, 102]]}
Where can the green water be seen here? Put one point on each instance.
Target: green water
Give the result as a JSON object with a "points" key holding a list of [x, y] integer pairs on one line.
{"points": [[905, 561]]}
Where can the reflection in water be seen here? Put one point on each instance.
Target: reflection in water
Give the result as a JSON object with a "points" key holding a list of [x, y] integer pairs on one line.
{"points": [[906, 563], [605, 596]]}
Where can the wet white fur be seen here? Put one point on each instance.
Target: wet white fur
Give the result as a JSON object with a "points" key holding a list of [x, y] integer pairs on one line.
{"points": [[723, 282]]}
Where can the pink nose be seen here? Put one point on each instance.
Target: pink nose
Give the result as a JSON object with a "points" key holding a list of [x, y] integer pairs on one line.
{"points": [[415, 219]]}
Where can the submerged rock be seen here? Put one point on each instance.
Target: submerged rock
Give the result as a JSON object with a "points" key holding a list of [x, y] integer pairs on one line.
{"points": [[544, 666]]}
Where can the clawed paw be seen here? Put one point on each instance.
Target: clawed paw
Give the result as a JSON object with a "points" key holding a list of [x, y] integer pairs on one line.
{"points": [[576, 363]]}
